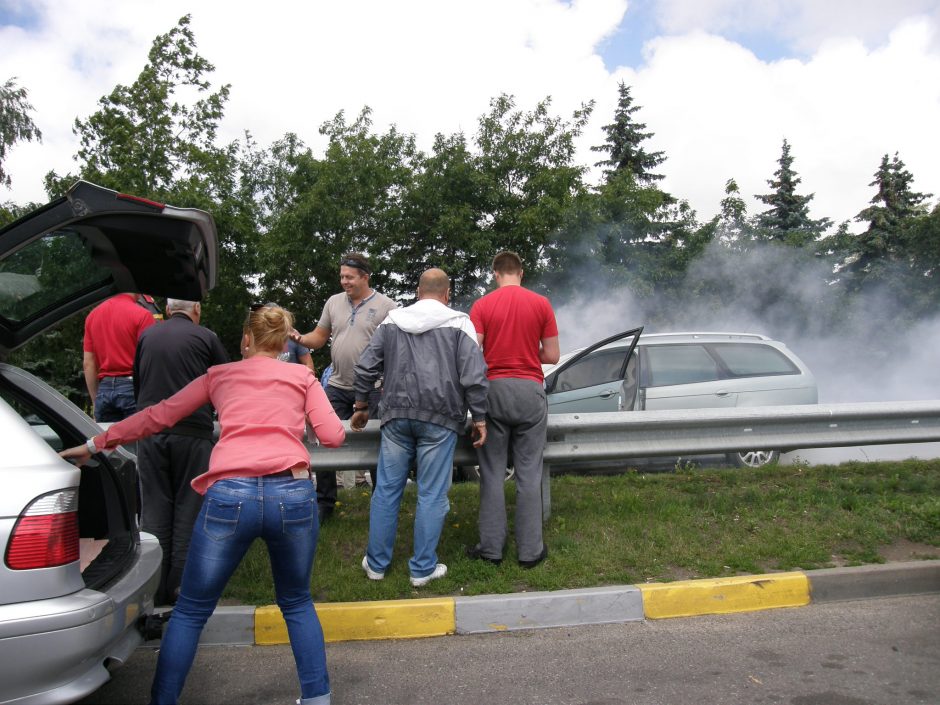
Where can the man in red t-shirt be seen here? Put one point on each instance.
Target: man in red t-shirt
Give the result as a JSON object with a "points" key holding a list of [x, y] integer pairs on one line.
{"points": [[111, 332], [517, 330]]}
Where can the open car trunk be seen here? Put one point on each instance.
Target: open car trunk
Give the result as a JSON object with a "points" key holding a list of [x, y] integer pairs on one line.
{"points": [[107, 501]]}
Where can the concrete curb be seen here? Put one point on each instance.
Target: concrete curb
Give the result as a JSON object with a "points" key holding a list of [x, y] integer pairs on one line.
{"points": [[406, 619]]}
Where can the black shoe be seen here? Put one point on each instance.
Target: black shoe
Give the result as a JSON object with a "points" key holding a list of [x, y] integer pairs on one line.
{"points": [[325, 512], [535, 561], [476, 554]]}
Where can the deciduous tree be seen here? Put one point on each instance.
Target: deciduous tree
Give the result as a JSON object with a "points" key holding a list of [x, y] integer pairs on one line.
{"points": [[16, 123]]}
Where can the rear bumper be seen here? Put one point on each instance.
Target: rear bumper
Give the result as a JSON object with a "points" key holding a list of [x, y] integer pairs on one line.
{"points": [[56, 650]]}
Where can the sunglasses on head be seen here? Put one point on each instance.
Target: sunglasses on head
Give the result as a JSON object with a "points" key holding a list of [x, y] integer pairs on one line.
{"points": [[354, 263]]}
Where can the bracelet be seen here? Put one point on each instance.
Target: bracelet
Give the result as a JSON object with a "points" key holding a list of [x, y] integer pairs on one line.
{"points": [[90, 445]]}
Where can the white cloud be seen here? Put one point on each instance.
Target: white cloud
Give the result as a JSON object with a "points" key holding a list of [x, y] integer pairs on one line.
{"points": [[805, 24], [719, 112], [427, 66]]}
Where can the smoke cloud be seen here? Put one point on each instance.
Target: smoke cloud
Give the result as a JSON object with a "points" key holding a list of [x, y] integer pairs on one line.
{"points": [[860, 349]]}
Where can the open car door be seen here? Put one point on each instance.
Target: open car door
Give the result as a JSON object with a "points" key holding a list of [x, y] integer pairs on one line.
{"points": [[593, 378]]}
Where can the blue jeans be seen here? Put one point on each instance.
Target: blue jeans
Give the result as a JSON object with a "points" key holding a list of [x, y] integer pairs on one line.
{"points": [[283, 512], [115, 399], [403, 441]]}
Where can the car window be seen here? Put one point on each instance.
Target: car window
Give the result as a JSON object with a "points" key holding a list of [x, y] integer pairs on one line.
{"points": [[35, 420], [45, 271], [679, 364], [752, 360], [597, 368]]}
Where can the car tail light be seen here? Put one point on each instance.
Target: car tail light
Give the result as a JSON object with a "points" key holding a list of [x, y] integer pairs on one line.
{"points": [[46, 534]]}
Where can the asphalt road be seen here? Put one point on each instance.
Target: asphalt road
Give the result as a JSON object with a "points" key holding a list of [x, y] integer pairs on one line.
{"points": [[873, 652]]}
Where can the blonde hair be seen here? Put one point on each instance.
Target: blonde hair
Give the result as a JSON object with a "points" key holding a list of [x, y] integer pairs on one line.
{"points": [[269, 326]]}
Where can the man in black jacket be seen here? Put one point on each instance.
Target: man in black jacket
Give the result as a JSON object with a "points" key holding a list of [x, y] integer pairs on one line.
{"points": [[169, 356], [434, 372]]}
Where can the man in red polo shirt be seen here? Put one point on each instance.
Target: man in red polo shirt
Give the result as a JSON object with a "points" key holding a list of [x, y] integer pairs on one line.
{"points": [[518, 332], [111, 332]]}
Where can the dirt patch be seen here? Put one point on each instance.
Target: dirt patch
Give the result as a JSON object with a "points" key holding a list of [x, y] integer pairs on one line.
{"points": [[903, 550]]}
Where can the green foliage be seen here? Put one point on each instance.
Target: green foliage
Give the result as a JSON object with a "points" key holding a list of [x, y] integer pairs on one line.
{"points": [[143, 139], [632, 528], [147, 140], [787, 220], [350, 200], [625, 136], [529, 178], [16, 124]]}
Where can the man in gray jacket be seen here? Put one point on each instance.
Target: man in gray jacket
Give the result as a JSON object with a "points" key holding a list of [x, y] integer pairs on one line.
{"points": [[434, 371]]}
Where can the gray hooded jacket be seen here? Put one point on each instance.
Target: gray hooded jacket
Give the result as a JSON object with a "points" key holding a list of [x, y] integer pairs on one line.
{"points": [[433, 366]]}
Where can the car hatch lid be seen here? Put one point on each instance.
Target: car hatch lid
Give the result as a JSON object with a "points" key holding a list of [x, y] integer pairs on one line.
{"points": [[91, 244], [633, 335]]}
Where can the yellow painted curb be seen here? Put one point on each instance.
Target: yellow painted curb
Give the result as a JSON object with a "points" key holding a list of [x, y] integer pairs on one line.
{"points": [[346, 621], [744, 593]]}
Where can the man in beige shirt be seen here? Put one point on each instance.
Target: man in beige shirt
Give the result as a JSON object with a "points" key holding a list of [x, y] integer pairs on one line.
{"points": [[349, 319]]}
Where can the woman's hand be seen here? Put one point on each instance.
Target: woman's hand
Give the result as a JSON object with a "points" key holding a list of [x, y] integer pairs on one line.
{"points": [[79, 454]]}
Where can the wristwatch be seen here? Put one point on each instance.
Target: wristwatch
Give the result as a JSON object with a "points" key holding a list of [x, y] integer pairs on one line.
{"points": [[356, 407], [90, 445]]}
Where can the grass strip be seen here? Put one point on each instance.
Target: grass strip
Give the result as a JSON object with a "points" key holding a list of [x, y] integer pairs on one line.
{"points": [[635, 528]]}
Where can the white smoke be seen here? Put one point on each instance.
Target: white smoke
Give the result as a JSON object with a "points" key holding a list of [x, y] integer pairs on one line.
{"points": [[866, 351]]}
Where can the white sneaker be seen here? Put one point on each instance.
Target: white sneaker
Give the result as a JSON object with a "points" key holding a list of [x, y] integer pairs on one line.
{"points": [[373, 574], [440, 570]]}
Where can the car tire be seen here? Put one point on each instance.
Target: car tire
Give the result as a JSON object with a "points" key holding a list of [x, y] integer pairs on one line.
{"points": [[754, 458], [466, 473]]}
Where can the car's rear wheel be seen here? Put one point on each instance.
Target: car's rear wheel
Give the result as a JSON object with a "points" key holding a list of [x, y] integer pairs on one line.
{"points": [[754, 458]]}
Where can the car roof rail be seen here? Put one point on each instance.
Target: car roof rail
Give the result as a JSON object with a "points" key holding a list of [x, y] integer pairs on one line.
{"points": [[699, 334]]}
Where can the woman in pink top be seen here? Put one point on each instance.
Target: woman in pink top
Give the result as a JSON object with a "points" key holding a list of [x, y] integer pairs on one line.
{"points": [[258, 484]]}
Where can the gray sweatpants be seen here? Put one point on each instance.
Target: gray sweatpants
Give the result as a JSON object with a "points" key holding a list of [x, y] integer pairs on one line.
{"points": [[516, 422]]}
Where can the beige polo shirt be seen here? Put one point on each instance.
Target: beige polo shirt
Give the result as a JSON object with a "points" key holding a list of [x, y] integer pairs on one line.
{"points": [[351, 329]]}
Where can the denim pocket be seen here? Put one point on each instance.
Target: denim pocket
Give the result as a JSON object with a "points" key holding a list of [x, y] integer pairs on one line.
{"points": [[298, 517], [221, 518]]}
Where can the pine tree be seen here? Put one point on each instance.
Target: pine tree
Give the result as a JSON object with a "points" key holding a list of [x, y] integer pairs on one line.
{"points": [[787, 220], [624, 137], [891, 207]]}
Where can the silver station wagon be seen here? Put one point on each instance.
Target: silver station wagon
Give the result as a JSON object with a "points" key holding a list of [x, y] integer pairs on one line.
{"points": [[77, 577], [633, 371]]}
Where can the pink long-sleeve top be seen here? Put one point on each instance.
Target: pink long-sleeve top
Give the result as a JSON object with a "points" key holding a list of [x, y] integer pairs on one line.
{"points": [[261, 402]]}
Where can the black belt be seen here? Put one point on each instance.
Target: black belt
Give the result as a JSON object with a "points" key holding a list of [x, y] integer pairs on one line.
{"points": [[288, 473]]}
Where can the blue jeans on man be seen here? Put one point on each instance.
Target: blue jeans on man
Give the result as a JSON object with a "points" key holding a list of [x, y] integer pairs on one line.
{"points": [[115, 399], [403, 442], [282, 512]]}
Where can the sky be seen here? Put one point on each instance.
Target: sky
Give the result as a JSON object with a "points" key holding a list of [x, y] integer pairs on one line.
{"points": [[719, 83]]}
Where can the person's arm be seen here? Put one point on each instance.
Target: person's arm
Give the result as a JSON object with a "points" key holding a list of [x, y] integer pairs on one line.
{"points": [[148, 421], [368, 369], [323, 419], [90, 368], [472, 370], [315, 339], [306, 359], [549, 352]]}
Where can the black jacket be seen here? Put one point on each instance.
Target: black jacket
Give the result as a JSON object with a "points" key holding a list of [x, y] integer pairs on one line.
{"points": [[169, 356]]}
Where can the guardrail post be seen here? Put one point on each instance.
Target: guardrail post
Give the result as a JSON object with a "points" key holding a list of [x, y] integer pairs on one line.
{"points": [[546, 492]]}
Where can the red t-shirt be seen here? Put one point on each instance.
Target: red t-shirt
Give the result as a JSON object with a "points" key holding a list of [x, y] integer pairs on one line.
{"points": [[111, 332], [512, 321]]}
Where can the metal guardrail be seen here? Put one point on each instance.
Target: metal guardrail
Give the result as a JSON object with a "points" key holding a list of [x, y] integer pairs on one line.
{"points": [[615, 435], [576, 438]]}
